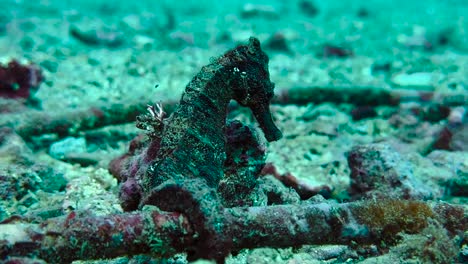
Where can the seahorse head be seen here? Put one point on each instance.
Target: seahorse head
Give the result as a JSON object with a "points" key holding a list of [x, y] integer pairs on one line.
{"points": [[250, 82]]}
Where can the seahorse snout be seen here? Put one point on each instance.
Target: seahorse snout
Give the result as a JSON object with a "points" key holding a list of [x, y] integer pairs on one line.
{"points": [[264, 119]]}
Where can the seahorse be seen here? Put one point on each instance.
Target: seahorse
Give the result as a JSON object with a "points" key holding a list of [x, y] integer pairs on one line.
{"points": [[189, 163], [193, 143]]}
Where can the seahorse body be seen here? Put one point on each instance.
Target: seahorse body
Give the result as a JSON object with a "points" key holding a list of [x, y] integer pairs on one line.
{"points": [[193, 143]]}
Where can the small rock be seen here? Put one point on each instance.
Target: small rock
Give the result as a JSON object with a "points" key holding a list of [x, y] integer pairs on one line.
{"points": [[460, 138], [89, 192], [381, 67], [108, 38], [179, 39], [435, 112], [279, 43], [143, 42], [275, 192], [418, 39], [13, 148], [452, 138], [83, 159], [19, 80], [51, 179], [363, 112], [67, 146], [458, 115], [334, 51], [49, 65], [363, 12], [27, 43], [378, 170], [326, 252], [133, 22], [308, 8], [313, 112], [417, 80], [250, 10], [324, 126]]}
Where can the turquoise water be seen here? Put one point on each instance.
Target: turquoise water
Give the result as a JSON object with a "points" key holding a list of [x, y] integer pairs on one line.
{"points": [[370, 96]]}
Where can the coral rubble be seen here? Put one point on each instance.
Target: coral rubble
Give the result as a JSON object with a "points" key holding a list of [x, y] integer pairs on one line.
{"points": [[198, 184], [18, 80]]}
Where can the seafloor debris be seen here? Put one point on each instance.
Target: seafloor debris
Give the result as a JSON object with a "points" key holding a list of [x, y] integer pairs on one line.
{"points": [[454, 136], [363, 112], [18, 80], [102, 37], [163, 234], [66, 122], [22, 177], [378, 170], [366, 96], [308, 7], [250, 10], [191, 181], [279, 43], [335, 51], [302, 189]]}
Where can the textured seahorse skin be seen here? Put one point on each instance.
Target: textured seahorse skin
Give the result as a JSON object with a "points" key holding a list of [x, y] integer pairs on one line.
{"points": [[193, 141]]}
